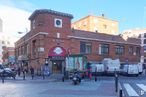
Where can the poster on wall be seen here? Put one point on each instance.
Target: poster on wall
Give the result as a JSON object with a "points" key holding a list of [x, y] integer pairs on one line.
{"points": [[78, 63], [70, 63]]}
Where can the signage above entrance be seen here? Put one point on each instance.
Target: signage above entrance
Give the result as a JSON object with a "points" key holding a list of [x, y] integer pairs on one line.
{"points": [[57, 51]]}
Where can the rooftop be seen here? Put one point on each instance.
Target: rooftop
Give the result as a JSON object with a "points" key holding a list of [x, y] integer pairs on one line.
{"points": [[80, 34], [49, 11]]}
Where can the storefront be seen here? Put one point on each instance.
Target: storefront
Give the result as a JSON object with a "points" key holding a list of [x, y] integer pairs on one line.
{"points": [[57, 56]]}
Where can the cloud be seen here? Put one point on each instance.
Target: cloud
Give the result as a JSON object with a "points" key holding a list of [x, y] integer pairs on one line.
{"points": [[21, 4], [14, 20]]}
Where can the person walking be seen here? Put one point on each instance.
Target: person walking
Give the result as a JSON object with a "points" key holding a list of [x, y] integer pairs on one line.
{"points": [[32, 72]]}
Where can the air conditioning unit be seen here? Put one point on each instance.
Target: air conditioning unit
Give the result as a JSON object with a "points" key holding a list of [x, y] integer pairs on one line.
{"points": [[41, 49], [58, 23]]}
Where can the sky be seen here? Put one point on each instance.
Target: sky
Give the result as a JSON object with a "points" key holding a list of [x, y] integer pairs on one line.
{"points": [[129, 13]]}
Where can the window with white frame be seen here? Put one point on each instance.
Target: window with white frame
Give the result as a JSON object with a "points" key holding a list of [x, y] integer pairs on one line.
{"points": [[103, 49], [119, 50], [85, 48], [33, 24], [131, 50]]}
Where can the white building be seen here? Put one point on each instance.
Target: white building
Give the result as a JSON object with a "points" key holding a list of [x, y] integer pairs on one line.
{"points": [[1, 23], [138, 33], [134, 33], [4, 41]]}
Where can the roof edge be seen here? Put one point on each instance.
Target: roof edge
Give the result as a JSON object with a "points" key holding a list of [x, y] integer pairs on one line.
{"points": [[49, 11]]}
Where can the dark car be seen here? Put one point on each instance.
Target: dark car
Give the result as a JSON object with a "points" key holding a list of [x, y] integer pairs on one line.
{"points": [[7, 72]]}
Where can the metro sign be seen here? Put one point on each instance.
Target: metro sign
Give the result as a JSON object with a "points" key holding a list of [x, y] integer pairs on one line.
{"points": [[58, 50]]}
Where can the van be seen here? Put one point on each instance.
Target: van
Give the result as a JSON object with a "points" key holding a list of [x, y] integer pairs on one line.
{"points": [[110, 66], [133, 69], [97, 68], [140, 68]]}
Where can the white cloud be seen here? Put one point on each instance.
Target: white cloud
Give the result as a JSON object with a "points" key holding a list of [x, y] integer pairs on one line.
{"points": [[14, 20]]}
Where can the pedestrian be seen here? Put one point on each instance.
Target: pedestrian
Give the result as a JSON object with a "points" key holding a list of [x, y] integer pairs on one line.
{"points": [[23, 70], [32, 72], [19, 71], [95, 73]]}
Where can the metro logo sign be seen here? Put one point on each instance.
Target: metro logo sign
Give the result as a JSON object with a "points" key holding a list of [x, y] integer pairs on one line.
{"points": [[57, 51]]}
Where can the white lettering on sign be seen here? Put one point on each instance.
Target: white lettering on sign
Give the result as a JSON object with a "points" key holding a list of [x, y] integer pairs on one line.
{"points": [[58, 50]]}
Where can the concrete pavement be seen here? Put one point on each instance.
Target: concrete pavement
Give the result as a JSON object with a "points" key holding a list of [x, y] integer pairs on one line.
{"points": [[55, 88]]}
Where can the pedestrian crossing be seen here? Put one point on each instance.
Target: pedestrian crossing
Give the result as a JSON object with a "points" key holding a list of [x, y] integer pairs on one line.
{"points": [[134, 90]]}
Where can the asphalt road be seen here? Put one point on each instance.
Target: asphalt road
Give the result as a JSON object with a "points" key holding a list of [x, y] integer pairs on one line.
{"points": [[104, 87], [56, 88]]}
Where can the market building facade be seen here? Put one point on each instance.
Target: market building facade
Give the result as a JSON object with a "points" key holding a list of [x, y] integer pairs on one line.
{"points": [[51, 40]]}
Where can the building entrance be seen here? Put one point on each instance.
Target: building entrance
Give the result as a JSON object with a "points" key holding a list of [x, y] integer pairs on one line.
{"points": [[56, 67]]}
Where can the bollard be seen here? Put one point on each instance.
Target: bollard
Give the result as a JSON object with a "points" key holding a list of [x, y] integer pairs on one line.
{"points": [[95, 78], [43, 76], [63, 79], [116, 82], [121, 93], [32, 76], [3, 77]]}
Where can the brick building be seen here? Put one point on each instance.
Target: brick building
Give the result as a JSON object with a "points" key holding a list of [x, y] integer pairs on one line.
{"points": [[51, 38]]}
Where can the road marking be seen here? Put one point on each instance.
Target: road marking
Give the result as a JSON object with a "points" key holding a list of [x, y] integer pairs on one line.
{"points": [[142, 86], [130, 90]]}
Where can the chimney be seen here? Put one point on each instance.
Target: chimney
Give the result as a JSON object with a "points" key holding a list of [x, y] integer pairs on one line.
{"points": [[103, 15]]}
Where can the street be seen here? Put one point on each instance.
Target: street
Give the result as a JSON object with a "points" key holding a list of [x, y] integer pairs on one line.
{"points": [[103, 87]]}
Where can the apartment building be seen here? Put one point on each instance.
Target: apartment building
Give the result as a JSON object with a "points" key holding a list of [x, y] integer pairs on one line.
{"points": [[97, 24]]}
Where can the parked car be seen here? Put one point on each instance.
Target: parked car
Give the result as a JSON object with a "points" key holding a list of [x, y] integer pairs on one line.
{"points": [[7, 72]]}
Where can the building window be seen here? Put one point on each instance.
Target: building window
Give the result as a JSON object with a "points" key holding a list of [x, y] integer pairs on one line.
{"points": [[144, 35], [8, 42], [85, 48], [33, 24], [105, 26], [131, 50], [144, 60], [144, 47], [3, 42], [137, 50], [144, 41], [119, 50], [103, 49]]}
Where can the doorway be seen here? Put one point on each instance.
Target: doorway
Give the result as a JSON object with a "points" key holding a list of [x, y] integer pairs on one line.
{"points": [[57, 67]]}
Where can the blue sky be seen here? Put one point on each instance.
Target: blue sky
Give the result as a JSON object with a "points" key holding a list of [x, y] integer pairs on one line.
{"points": [[129, 13]]}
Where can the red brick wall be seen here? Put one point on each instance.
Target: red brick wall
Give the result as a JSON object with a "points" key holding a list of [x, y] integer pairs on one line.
{"points": [[50, 40]]}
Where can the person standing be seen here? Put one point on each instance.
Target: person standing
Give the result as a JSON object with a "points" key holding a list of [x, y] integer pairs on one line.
{"points": [[32, 72], [19, 71]]}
